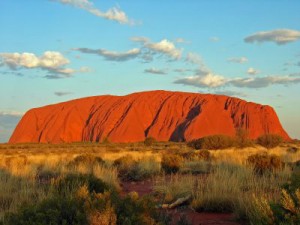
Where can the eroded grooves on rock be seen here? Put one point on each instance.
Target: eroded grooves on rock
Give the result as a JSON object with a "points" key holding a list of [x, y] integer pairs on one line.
{"points": [[164, 115]]}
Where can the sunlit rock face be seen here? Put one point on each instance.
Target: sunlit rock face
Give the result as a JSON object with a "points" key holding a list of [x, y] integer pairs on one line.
{"points": [[164, 115]]}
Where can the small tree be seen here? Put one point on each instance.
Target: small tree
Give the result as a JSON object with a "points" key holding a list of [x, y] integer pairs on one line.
{"points": [[213, 142], [263, 162], [171, 163], [269, 140]]}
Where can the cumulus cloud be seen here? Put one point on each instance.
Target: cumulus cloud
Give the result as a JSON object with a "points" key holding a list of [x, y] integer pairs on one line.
{"points": [[239, 60], [209, 80], [155, 71], [204, 77], [62, 93], [114, 13], [279, 36], [146, 52], [261, 82], [51, 61], [112, 55], [163, 47], [252, 71]]}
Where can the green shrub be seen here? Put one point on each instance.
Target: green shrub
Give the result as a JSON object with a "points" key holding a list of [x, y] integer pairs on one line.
{"points": [[86, 159], [264, 162], [288, 210], [134, 210], [149, 141], [66, 186], [213, 142], [125, 164], [54, 211], [86, 209], [171, 163], [132, 170], [269, 140]]}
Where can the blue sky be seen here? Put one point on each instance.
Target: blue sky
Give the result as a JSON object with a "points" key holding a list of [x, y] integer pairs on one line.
{"points": [[56, 50]]}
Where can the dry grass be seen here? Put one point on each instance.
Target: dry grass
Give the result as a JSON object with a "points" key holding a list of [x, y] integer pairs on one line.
{"points": [[228, 188], [239, 156], [224, 184]]}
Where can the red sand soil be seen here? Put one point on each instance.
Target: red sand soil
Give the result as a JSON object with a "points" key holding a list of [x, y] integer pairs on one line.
{"points": [[146, 187], [164, 115]]}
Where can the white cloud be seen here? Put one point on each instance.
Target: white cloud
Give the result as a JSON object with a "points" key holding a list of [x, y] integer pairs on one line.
{"points": [[252, 71], [11, 113], [66, 71], [209, 80], [279, 36], [196, 59], [239, 60], [112, 55], [114, 13], [164, 47], [261, 82], [146, 52], [155, 71], [214, 39], [51, 61], [203, 77]]}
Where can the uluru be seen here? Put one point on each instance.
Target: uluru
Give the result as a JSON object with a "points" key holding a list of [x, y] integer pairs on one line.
{"points": [[163, 115]]}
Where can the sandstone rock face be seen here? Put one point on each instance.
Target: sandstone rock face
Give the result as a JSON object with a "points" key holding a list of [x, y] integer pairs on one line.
{"points": [[164, 115]]}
